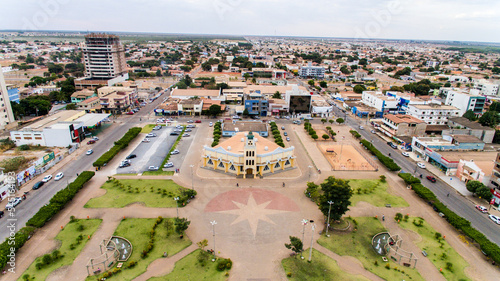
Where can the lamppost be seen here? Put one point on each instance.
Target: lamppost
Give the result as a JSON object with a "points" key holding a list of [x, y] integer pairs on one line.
{"points": [[313, 226], [304, 223], [310, 172], [192, 186], [213, 232], [328, 221], [177, 202]]}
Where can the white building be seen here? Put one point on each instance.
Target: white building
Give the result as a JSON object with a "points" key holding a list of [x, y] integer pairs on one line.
{"points": [[464, 101], [433, 114], [432, 64], [6, 114], [485, 88], [310, 71], [379, 101]]}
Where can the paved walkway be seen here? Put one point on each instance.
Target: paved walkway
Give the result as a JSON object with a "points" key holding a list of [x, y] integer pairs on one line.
{"points": [[253, 221]]}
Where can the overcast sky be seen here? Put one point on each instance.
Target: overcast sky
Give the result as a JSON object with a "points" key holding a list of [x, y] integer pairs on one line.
{"points": [[472, 20]]}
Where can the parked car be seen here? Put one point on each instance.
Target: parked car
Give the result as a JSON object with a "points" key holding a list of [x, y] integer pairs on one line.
{"points": [[197, 121], [153, 168], [174, 133], [431, 178], [95, 138], [496, 219], [91, 142], [131, 156], [47, 178], [373, 132], [175, 152], [151, 135], [282, 127], [287, 139], [392, 145], [146, 140], [210, 124], [38, 185], [12, 203], [361, 127], [421, 165], [188, 130], [191, 126], [59, 176], [285, 133], [124, 164], [190, 121], [168, 165], [482, 209], [1, 214], [186, 135], [90, 151], [405, 154], [130, 113]]}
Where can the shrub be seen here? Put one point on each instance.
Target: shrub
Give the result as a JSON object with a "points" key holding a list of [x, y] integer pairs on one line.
{"points": [[387, 161], [131, 264], [224, 264], [355, 134]]}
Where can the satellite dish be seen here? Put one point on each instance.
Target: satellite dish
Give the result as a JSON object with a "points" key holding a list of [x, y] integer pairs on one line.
{"points": [[229, 148]]}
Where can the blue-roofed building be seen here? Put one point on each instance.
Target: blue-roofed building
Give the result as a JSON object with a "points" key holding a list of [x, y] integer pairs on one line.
{"points": [[13, 93]]}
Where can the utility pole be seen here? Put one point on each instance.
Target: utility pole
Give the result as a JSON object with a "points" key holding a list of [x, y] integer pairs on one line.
{"points": [[328, 221], [304, 223], [312, 236], [213, 232], [192, 186], [177, 201]]}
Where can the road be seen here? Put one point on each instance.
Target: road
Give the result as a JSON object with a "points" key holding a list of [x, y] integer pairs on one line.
{"points": [[455, 202], [37, 198]]}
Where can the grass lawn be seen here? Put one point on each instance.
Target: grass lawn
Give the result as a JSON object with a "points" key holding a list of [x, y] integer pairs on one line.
{"points": [[68, 236], [321, 268], [137, 231], [158, 173], [374, 192], [358, 244], [153, 193], [188, 268], [439, 252], [148, 128]]}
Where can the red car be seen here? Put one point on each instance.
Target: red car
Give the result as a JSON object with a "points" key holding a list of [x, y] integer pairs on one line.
{"points": [[197, 121], [130, 113], [91, 142], [481, 209], [431, 179]]}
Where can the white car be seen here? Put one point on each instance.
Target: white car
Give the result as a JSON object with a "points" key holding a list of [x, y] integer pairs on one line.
{"points": [[47, 178], [421, 165], [151, 135], [406, 154], [153, 168], [175, 152], [186, 135], [361, 128], [146, 140], [373, 132], [95, 138], [210, 124], [59, 176], [13, 203], [90, 151], [168, 165], [496, 219]]}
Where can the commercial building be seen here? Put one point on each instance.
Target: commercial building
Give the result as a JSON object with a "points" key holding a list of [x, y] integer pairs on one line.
{"points": [[190, 107], [379, 101], [298, 100], [402, 125], [200, 93], [469, 171], [310, 71], [463, 126], [6, 114], [230, 129], [249, 156], [464, 101], [433, 114]]}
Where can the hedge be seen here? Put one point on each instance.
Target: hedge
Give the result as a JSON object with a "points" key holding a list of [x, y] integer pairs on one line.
{"points": [[59, 200], [43, 215], [489, 248], [355, 134], [277, 134], [119, 145], [388, 162]]}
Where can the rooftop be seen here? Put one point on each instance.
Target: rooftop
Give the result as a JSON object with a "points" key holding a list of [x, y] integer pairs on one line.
{"points": [[402, 118], [237, 146], [195, 92], [60, 116], [466, 139], [469, 124], [254, 126], [434, 106]]}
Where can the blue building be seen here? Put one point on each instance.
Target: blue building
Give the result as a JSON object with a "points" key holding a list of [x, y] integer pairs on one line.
{"points": [[257, 107], [13, 93]]}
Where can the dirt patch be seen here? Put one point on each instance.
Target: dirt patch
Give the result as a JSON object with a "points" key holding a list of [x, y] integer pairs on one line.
{"points": [[345, 157]]}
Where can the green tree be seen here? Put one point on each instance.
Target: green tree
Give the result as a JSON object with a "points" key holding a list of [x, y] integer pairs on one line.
{"points": [[323, 121], [70, 106], [310, 82], [489, 119], [325, 136], [331, 121], [314, 136], [246, 113], [181, 224], [158, 73], [484, 193], [214, 110], [495, 106], [277, 95], [295, 245], [345, 70], [340, 120], [323, 84], [246, 76], [469, 114], [473, 186], [339, 191], [359, 89]]}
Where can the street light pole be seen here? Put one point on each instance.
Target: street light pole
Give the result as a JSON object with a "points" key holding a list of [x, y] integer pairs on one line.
{"points": [[213, 232], [177, 202], [304, 223], [328, 221], [192, 186], [309, 172], [312, 236]]}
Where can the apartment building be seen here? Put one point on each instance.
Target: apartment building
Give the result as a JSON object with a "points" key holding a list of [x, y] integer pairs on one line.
{"points": [[379, 101], [310, 71], [464, 101], [495, 176], [82, 95], [485, 88], [6, 114], [400, 125], [433, 114], [103, 56]]}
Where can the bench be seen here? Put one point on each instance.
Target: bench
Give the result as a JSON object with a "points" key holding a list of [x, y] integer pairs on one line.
{"points": [[424, 253], [388, 205], [406, 264], [110, 264]]}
